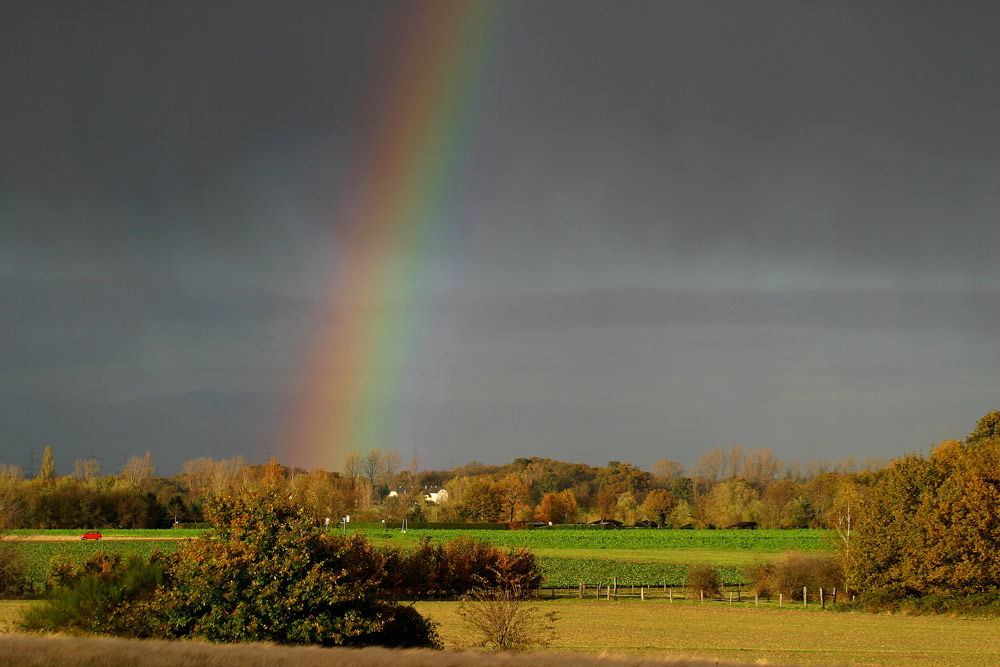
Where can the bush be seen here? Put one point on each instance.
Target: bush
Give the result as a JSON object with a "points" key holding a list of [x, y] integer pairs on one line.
{"points": [[103, 595], [454, 568], [793, 571], [703, 579], [267, 573], [13, 567]]}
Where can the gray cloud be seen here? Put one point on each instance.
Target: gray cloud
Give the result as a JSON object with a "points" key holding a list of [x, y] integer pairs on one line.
{"points": [[673, 227]]}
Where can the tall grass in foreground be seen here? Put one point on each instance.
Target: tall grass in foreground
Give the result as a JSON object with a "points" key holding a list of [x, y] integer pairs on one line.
{"points": [[78, 652]]}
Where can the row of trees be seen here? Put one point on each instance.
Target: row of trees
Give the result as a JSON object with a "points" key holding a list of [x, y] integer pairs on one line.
{"points": [[724, 487]]}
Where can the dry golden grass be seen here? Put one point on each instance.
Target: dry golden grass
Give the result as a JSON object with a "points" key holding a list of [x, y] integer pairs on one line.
{"points": [[30, 651], [652, 632], [790, 635]]}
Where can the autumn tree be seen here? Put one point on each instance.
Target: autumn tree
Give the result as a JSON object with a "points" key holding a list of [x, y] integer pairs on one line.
{"points": [[658, 505], [932, 525], [988, 428], [481, 500], [557, 507], [512, 493], [730, 502]]}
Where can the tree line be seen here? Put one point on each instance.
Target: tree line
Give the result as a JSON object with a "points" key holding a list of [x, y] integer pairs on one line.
{"points": [[724, 487]]}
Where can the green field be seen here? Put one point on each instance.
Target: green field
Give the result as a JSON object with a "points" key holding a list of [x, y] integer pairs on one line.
{"points": [[560, 572], [566, 556], [734, 541]]}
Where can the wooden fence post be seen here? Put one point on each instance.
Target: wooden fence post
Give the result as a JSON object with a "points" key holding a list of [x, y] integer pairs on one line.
{"points": [[781, 597], [598, 590], [642, 593], [805, 597], [755, 600], [730, 598], [822, 602], [702, 597]]}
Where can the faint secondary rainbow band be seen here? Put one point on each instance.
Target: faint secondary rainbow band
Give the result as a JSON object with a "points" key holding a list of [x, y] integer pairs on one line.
{"points": [[407, 176]]}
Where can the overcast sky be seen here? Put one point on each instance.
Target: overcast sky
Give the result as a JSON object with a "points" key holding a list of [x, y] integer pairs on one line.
{"points": [[681, 226]]}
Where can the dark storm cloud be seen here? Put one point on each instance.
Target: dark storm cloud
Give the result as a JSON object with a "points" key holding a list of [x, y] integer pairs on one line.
{"points": [[968, 312], [677, 226]]}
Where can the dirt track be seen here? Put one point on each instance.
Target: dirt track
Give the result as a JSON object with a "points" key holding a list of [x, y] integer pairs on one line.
{"points": [[76, 538]]}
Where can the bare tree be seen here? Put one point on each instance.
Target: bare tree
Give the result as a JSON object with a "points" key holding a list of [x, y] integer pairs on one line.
{"points": [[712, 464], [352, 466], [86, 469], [197, 474], [502, 618], [734, 463], [760, 466], [138, 470], [390, 466], [227, 474], [371, 466], [667, 469]]}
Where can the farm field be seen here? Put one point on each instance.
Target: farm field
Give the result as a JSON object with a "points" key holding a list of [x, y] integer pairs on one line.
{"points": [[566, 556], [748, 634], [636, 540]]}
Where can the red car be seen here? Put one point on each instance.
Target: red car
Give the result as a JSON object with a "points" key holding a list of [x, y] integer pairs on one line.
{"points": [[91, 535]]}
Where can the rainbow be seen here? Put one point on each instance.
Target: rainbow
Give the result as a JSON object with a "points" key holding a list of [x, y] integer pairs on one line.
{"points": [[406, 173]]}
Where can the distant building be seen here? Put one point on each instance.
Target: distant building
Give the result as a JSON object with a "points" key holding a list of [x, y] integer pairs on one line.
{"points": [[435, 494]]}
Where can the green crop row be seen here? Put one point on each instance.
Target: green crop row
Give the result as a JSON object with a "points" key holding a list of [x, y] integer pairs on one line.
{"points": [[716, 540], [569, 572]]}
